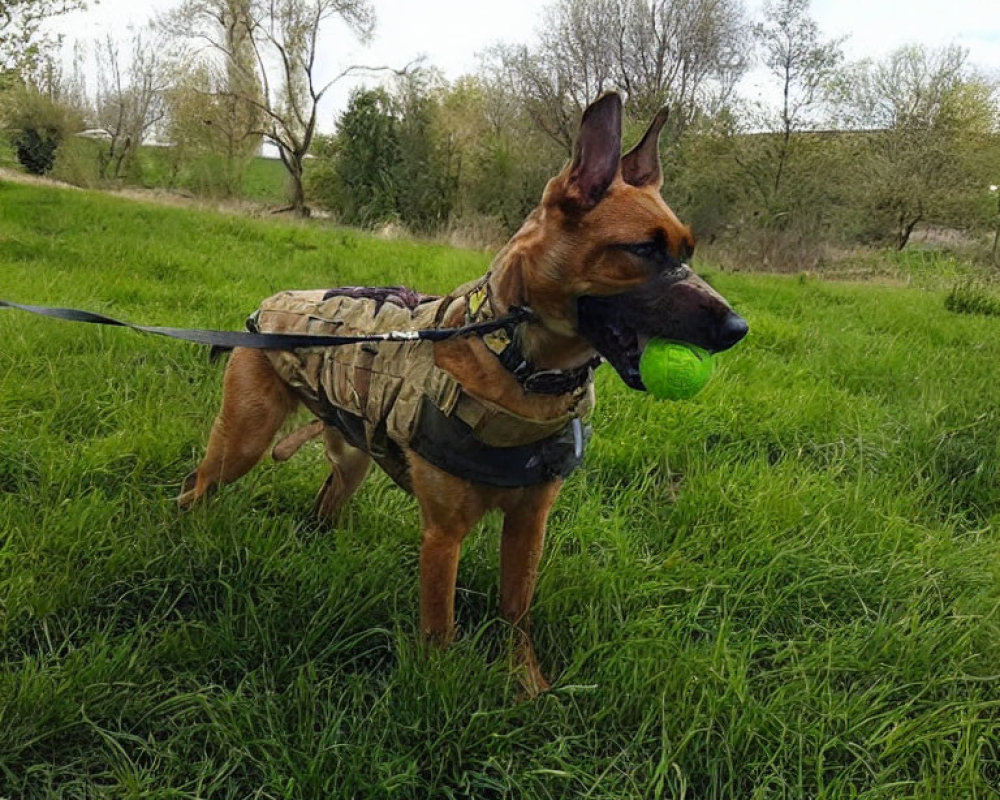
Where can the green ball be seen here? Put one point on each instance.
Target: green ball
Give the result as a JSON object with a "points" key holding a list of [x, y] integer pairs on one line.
{"points": [[674, 370]]}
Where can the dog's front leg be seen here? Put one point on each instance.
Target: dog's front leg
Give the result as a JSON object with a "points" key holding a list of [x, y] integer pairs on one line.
{"points": [[449, 507], [440, 549], [520, 553]]}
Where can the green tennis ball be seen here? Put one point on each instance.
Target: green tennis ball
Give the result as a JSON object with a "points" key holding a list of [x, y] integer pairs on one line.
{"points": [[673, 370]]}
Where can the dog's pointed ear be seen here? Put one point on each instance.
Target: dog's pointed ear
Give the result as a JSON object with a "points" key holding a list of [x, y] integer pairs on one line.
{"points": [[596, 153], [641, 164]]}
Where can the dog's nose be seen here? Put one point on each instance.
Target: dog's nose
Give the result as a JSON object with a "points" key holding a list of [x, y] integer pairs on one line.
{"points": [[732, 328]]}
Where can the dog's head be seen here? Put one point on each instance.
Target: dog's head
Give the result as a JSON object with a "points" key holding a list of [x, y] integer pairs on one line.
{"points": [[609, 259]]}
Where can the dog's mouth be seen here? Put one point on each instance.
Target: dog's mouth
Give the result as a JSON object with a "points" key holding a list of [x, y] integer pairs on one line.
{"points": [[601, 321], [619, 326]]}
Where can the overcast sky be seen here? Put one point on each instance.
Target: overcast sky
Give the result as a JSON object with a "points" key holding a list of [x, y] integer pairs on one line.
{"points": [[452, 33]]}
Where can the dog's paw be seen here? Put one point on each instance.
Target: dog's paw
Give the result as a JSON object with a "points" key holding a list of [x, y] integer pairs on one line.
{"points": [[529, 675], [532, 684], [188, 495]]}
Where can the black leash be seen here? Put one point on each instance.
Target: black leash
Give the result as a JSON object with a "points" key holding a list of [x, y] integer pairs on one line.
{"points": [[227, 340]]}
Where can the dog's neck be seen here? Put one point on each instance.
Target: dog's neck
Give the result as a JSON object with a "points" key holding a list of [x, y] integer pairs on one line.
{"points": [[549, 350], [539, 341]]}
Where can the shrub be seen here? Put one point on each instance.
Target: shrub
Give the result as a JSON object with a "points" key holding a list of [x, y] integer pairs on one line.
{"points": [[76, 162], [36, 148], [36, 125]]}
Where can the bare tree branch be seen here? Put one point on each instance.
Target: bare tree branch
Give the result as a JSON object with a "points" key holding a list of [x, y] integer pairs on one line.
{"points": [[285, 37]]}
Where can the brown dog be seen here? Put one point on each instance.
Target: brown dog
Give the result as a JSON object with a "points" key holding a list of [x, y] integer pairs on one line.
{"points": [[479, 422]]}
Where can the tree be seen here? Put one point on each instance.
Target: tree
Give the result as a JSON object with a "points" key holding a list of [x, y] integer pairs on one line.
{"points": [[214, 104], [284, 36], [37, 122], [240, 117], [392, 159], [426, 174], [995, 252], [197, 130], [925, 117], [687, 54], [360, 160], [430, 155], [23, 39], [42, 107], [130, 98], [803, 64], [501, 160]]}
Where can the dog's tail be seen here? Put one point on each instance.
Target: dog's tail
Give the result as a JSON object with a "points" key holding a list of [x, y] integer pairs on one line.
{"points": [[289, 445]]}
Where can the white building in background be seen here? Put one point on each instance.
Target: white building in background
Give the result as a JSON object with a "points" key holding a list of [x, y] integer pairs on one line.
{"points": [[94, 133]]}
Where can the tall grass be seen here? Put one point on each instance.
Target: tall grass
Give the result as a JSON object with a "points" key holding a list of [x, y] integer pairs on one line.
{"points": [[786, 588], [972, 297]]}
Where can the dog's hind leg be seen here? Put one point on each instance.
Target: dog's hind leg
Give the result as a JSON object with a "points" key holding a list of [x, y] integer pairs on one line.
{"points": [[255, 401], [348, 468]]}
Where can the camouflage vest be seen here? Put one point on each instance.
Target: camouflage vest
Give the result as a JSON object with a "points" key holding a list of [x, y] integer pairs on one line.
{"points": [[389, 396]]}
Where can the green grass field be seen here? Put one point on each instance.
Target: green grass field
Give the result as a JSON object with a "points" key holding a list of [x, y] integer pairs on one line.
{"points": [[786, 588], [264, 180]]}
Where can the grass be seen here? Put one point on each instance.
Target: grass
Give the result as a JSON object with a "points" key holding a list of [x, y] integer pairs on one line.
{"points": [[918, 266], [787, 588], [264, 180], [973, 297]]}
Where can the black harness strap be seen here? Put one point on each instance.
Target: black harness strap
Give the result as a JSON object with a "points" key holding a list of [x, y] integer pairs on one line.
{"points": [[275, 341]]}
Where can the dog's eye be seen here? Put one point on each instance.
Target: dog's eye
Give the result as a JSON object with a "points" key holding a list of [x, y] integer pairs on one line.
{"points": [[644, 250], [655, 253]]}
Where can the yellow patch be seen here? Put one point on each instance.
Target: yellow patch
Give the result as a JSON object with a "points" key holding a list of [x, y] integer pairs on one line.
{"points": [[497, 341], [476, 300]]}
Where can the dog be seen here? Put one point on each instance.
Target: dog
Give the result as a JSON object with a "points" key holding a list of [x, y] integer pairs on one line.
{"points": [[493, 421]]}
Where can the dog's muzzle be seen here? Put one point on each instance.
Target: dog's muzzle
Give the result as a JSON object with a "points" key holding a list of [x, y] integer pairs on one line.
{"points": [[689, 310]]}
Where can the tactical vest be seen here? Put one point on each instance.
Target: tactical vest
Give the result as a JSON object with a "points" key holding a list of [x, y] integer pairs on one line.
{"points": [[389, 396]]}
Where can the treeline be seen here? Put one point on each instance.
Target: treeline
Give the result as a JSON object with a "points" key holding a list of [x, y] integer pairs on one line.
{"points": [[430, 156], [821, 154]]}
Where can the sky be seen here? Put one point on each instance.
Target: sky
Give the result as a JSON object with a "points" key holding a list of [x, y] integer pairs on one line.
{"points": [[451, 34], [876, 27]]}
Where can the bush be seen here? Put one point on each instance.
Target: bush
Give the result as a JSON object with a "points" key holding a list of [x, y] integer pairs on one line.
{"points": [[76, 162], [36, 125], [36, 148]]}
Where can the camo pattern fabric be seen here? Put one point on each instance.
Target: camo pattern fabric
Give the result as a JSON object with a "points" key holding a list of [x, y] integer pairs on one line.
{"points": [[384, 383]]}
